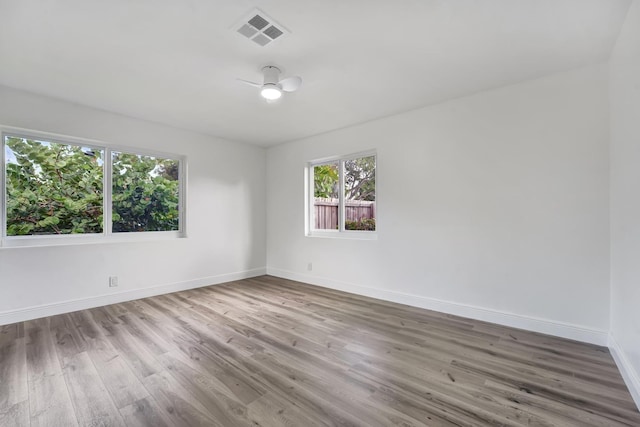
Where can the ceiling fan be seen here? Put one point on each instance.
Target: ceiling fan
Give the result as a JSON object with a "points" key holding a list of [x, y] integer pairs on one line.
{"points": [[272, 87]]}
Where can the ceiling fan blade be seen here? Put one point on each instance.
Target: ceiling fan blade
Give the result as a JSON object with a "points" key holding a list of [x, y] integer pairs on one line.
{"points": [[290, 84], [249, 83]]}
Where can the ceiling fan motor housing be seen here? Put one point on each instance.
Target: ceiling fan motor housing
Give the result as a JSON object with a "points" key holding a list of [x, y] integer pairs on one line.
{"points": [[271, 75]]}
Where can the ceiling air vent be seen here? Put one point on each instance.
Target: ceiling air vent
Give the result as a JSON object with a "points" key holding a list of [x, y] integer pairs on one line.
{"points": [[258, 27]]}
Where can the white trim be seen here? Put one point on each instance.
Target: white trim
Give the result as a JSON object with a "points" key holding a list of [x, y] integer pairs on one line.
{"points": [[341, 210], [35, 312], [3, 189], [545, 326], [350, 156], [629, 375], [347, 234], [86, 239]]}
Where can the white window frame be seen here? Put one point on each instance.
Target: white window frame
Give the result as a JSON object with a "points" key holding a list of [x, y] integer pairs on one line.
{"points": [[107, 234], [341, 232]]}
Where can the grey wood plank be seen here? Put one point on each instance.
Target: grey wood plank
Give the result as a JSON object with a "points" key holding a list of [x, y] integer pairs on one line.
{"points": [[272, 411], [15, 415], [50, 403], [145, 413], [117, 376], [206, 390], [13, 373], [92, 403], [223, 363], [49, 399], [267, 351], [42, 358], [178, 403], [132, 350]]}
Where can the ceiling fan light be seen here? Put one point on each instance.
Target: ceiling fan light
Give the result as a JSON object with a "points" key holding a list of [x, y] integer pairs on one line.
{"points": [[271, 92]]}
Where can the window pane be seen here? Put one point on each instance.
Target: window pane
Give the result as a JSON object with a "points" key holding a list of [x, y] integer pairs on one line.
{"points": [[360, 194], [52, 188], [145, 193], [325, 191]]}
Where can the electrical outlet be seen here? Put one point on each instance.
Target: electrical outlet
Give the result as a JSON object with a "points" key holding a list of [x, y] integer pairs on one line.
{"points": [[310, 266], [113, 281]]}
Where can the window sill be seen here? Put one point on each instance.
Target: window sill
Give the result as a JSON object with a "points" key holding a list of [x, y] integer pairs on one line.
{"points": [[74, 240], [349, 235]]}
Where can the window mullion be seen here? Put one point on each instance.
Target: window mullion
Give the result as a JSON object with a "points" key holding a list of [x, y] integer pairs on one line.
{"points": [[107, 189], [341, 211], [182, 197], [310, 200], [3, 201]]}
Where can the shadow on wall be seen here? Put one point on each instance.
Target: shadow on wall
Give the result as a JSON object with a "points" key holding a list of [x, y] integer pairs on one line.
{"points": [[226, 214]]}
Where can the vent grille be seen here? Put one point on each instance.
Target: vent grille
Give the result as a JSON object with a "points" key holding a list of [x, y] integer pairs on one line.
{"points": [[273, 32], [258, 22], [260, 28], [247, 31], [261, 40]]}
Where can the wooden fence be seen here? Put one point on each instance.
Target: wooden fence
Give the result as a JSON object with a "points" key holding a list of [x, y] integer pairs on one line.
{"points": [[326, 212]]}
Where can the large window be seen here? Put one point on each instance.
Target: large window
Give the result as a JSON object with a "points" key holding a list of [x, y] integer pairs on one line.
{"points": [[343, 194], [54, 187]]}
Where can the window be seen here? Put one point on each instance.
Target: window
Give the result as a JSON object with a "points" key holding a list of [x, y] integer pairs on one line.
{"points": [[54, 187], [145, 193], [343, 194]]}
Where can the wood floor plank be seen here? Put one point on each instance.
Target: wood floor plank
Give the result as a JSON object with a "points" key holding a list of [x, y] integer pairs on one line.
{"points": [[223, 360], [269, 410], [15, 415], [50, 403], [118, 377], [92, 402], [49, 399], [272, 352], [138, 357], [206, 390], [13, 373], [178, 403], [42, 359], [550, 409], [145, 413]]}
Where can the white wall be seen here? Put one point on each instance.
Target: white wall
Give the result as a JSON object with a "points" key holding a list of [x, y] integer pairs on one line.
{"points": [[493, 206], [225, 219], [625, 200]]}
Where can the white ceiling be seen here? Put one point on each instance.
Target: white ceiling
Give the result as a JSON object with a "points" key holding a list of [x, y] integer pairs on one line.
{"points": [[176, 62]]}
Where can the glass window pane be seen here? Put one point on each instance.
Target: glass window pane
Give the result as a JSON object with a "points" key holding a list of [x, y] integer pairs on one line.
{"points": [[326, 185], [360, 194], [145, 193], [52, 188]]}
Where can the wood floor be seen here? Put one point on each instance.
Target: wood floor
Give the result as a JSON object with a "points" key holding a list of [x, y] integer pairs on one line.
{"points": [[272, 352]]}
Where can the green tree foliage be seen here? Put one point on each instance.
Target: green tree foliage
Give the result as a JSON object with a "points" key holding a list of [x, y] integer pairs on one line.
{"points": [[145, 193], [53, 188], [360, 179], [56, 188], [325, 181], [365, 224]]}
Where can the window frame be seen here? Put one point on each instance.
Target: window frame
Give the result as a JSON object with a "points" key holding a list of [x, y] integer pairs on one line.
{"points": [[107, 235], [341, 232]]}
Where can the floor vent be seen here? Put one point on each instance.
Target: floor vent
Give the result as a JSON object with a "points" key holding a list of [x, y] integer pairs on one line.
{"points": [[258, 27]]}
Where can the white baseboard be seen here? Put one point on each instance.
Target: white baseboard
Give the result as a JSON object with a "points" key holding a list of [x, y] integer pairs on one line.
{"points": [[35, 312], [550, 327], [629, 374]]}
